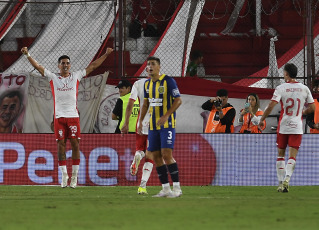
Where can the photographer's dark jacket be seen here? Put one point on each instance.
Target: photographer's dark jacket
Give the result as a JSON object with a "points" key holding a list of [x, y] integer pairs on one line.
{"points": [[217, 125], [313, 118]]}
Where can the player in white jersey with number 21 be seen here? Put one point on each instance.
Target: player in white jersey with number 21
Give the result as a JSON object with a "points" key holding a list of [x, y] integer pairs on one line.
{"points": [[137, 93], [293, 96]]}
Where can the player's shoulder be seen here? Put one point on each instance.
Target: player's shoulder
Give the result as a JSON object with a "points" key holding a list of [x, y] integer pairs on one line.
{"points": [[81, 72], [169, 79], [140, 81]]}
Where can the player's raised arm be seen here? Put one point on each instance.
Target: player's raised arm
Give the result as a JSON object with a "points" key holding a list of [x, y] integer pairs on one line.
{"points": [[32, 61], [92, 66]]}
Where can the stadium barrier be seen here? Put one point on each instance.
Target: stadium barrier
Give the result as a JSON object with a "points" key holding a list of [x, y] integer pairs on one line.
{"points": [[203, 159]]}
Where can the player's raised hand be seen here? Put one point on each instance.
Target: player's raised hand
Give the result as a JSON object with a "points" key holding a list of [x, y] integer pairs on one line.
{"points": [[24, 50], [108, 50]]}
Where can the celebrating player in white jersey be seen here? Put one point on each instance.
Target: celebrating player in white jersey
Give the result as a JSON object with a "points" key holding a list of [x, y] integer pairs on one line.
{"points": [[64, 88], [293, 96], [141, 140]]}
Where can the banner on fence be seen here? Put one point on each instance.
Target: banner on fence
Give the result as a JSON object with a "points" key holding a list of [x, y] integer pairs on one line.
{"points": [[13, 101], [27, 103]]}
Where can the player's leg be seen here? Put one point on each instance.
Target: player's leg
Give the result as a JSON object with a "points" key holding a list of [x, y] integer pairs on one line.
{"points": [[146, 173], [154, 149], [59, 131], [74, 136], [294, 142], [75, 161], [141, 144], [282, 141], [167, 145], [62, 162], [139, 154]]}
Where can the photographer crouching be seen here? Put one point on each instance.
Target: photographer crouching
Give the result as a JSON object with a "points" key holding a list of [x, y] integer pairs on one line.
{"points": [[222, 114]]}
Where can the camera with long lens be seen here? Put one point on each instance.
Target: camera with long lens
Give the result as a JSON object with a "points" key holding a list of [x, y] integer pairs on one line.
{"points": [[218, 103]]}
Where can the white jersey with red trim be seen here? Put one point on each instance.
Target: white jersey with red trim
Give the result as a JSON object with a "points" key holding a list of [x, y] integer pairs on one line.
{"points": [[65, 92], [292, 97], [138, 93]]}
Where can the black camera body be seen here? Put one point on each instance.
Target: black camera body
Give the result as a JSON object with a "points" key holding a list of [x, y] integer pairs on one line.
{"points": [[217, 103]]}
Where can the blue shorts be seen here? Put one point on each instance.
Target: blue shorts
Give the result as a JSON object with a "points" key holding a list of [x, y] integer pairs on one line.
{"points": [[159, 139]]}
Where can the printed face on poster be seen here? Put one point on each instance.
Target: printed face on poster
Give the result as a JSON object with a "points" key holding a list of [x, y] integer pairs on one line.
{"points": [[13, 100]]}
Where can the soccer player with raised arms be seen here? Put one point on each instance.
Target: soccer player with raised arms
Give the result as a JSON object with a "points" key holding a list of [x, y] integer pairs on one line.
{"points": [[64, 88], [293, 96], [161, 94]]}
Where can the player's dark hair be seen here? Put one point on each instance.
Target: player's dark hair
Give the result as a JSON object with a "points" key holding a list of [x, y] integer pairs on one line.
{"points": [[152, 58], [222, 93], [63, 57], [291, 69], [195, 54]]}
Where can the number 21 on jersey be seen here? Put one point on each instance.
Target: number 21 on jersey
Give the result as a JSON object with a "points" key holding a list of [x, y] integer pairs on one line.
{"points": [[291, 103]]}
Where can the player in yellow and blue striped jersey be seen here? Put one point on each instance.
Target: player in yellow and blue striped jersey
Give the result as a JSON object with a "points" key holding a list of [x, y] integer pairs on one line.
{"points": [[162, 95]]}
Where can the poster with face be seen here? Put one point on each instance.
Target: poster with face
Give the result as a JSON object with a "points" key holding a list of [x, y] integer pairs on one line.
{"points": [[13, 101]]}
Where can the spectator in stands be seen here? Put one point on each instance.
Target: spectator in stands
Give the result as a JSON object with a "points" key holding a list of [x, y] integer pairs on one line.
{"points": [[196, 58], [312, 119], [11, 105], [119, 110], [250, 115], [222, 114]]}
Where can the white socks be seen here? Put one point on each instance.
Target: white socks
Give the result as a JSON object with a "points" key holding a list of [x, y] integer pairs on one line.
{"points": [[147, 169], [75, 170], [142, 154], [280, 166], [285, 173], [290, 168], [63, 169]]}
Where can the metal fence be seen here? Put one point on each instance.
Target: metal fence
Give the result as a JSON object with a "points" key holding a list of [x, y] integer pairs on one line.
{"points": [[243, 42]]}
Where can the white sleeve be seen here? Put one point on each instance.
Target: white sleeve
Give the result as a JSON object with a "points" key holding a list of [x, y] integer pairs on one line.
{"points": [[80, 74], [48, 74], [277, 95], [134, 92]]}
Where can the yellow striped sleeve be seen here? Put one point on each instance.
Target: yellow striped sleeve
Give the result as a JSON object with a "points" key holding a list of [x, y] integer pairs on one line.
{"points": [[150, 95], [165, 102], [157, 108], [172, 115]]}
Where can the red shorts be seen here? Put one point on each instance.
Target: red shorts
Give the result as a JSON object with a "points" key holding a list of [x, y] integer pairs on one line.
{"points": [[141, 142], [67, 128], [292, 140]]}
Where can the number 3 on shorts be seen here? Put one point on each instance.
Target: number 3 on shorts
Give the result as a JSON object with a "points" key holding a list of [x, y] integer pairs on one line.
{"points": [[169, 135]]}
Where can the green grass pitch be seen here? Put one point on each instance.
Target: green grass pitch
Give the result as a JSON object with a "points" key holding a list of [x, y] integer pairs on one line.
{"points": [[209, 207]]}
